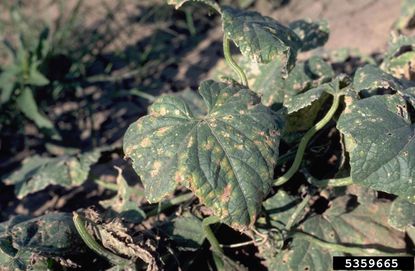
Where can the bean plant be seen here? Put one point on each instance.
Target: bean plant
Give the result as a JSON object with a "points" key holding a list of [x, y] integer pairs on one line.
{"points": [[238, 154]]}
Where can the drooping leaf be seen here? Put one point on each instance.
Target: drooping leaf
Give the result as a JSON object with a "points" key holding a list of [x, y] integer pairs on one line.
{"points": [[312, 34], [276, 90], [345, 223], [399, 57], [305, 99], [123, 203], [186, 231], [226, 157], [266, 79], [261, 38], [383, 133], [401, 214], [39, 172], [279, 208]]}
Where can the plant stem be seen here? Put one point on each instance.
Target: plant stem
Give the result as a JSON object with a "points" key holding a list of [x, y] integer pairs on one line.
{"points": [[190, 23], [169, 203], [333, 182], [94, 245], [106, 185], [210, 235], [297, 212], [231, 62], [354, 250], [304, 141]]}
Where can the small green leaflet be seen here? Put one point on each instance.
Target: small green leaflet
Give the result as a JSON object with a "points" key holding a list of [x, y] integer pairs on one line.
{"points": [[39, 172], [345, 223], [382, 158], [225, 157], [261, 38], [312, 34]]}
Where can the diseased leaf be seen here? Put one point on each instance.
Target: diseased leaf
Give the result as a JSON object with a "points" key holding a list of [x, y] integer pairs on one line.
{"points": [[383, 133], [312, 34], [226, 157], [399, 58], [38, 172], [401, 214], [261, 38], [344, 223], [266, 80], [305, 99], [51, 234], [370, 78]]}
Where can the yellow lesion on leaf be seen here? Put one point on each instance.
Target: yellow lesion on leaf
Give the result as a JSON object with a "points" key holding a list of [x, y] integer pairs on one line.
{"points": [[155, 169], [146, 142], [162, 131]]}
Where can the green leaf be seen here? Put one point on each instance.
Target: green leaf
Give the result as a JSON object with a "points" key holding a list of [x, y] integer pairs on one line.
{"points": [[125, 202], [279, 208], [36, 78], [39, 172], [345, 223], [187, 232], [261, 38], [383, 133], [27, 104], [312, 34], [401, 214], [7, 82], [226, 157]]}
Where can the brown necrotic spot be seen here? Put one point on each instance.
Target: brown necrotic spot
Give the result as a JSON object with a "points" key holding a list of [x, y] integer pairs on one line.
{"points": [[226, 193]]}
